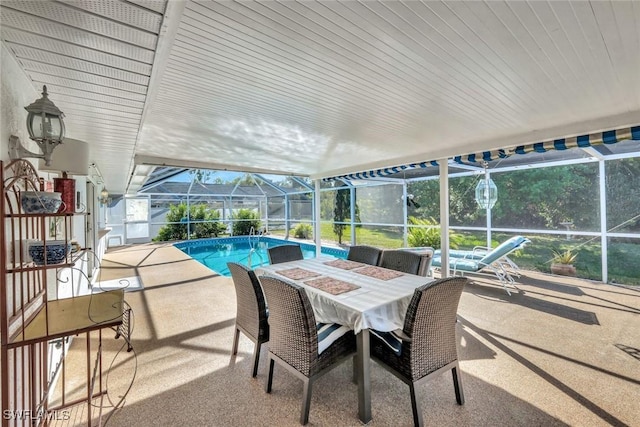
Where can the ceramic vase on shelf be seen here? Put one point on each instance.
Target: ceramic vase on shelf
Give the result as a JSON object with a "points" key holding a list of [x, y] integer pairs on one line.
{"points": [[71, 157], [67, 188]]}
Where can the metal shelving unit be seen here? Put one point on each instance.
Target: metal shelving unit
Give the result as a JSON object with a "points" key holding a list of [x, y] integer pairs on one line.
{"points": [[32, 319]]}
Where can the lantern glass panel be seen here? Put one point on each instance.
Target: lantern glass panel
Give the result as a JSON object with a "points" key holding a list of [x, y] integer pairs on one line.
{"points": [[486, 194], [45, 126]]}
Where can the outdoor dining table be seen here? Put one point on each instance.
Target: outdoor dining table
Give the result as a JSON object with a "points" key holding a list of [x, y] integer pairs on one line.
{"points": [[357, 295]]}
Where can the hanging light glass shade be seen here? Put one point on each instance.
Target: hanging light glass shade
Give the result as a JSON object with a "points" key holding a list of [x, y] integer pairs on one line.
{"points": [[486, 193]]}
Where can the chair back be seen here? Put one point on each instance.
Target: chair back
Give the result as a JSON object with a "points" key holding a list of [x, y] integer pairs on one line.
{"points": [[293, 333], [425, 265], [364, 254], [399, 260], [251, 312], [426, 255], [430, 322], [284, 253], [503, 249]]}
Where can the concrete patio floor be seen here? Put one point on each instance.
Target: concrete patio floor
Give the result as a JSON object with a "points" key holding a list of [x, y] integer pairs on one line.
{"points": [[561, 351]]}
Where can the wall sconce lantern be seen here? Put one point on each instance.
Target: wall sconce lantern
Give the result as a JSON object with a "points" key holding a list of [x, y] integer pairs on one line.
{"points": [[104, 197], [45, 126], [411, 202]]}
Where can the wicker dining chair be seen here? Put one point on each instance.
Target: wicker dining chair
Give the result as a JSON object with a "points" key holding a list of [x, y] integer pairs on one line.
{"points": [[284, 253], [364, 254], [251, 314], [399, 260], [297, 342], [427, 344]]}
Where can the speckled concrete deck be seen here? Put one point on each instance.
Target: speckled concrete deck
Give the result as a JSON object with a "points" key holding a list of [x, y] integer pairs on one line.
{"points": [[559, 352]]}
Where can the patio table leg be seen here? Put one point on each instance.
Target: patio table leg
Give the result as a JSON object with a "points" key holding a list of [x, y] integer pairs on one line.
{"points": [[364, 376]]}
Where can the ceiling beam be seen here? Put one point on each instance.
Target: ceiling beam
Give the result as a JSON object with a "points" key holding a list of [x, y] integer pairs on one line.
{"points": [[593, 152], [163, 161], [465, 166]]}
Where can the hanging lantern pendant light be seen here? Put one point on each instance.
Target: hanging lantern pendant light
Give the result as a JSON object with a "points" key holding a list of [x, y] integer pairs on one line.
{"points": [[486, 191]]}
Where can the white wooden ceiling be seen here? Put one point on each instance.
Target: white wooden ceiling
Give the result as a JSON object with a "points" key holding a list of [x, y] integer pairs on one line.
{"points": [[323, 88]]}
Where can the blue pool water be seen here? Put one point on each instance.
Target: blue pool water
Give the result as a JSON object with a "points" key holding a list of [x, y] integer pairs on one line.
{"points": [[215, 253]]}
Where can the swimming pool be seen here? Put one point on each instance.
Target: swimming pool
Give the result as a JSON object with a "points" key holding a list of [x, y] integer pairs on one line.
{"points": [[216, 252]]}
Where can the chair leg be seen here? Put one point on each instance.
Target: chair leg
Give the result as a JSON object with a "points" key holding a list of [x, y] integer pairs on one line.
{"points": [[270, 375], [415, 407], [503, 280], [457, 385], [236, 337], [256, 358], [306, 401]]}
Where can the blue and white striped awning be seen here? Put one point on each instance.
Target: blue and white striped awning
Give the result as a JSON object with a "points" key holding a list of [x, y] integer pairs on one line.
{"points": [[381, 173], [583, 141], [485, 156], [607, 137]]}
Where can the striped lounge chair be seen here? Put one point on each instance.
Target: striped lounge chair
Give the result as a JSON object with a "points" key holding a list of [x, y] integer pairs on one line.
{"points": [[480, 260]]}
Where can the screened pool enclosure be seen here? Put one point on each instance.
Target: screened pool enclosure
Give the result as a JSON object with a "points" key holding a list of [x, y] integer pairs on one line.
{"points": [[586, 200]]}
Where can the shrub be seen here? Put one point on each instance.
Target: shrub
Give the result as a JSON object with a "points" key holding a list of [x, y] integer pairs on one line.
{"points": [[428, 234], [207, 225], [203, 223], [341, 212], [244, 220], [303, 231], [566, 257]]}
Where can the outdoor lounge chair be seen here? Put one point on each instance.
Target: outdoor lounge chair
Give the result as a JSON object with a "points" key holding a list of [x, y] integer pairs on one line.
{"points": [[479, 252], [480, 261]]}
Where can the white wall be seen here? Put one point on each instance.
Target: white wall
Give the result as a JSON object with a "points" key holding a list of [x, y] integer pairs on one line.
{"points": [[17, 91]]}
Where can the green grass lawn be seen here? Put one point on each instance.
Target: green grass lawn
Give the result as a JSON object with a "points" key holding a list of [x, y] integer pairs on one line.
{"points": [[364, 236], [374, 236], [623, 267], [623, 254]]}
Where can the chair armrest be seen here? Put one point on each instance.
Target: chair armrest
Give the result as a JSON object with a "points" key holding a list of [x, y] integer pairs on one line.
{"points": [[480, 250], [453, 262], [401, 335]]}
